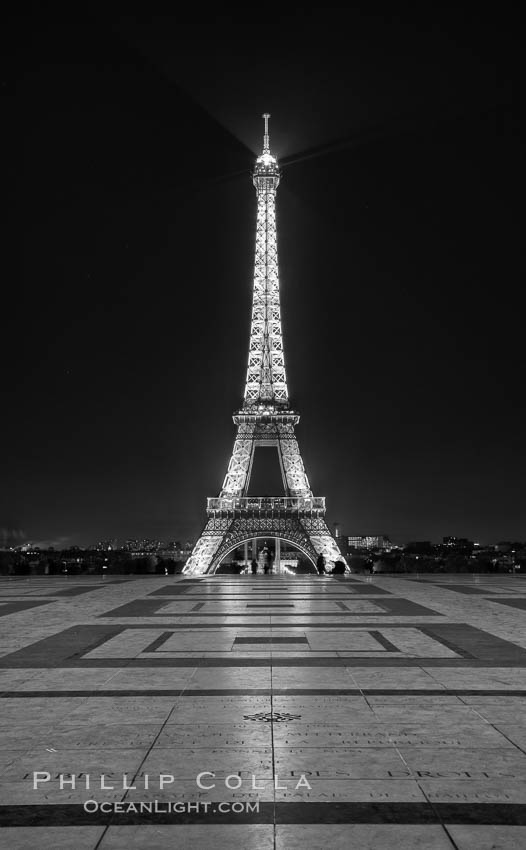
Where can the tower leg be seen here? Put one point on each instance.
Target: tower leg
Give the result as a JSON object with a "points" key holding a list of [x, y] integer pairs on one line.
{"points": [[322, 540], [205, 549]]}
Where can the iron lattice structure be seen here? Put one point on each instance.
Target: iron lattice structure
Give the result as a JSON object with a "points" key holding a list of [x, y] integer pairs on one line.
{"points": [[264, 420]]}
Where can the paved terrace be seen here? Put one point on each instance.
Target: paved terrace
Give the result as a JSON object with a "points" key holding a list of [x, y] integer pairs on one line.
{"points": [[401, 702]]}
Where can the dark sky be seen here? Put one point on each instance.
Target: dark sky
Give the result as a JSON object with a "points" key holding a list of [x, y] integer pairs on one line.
{"points": [[125, 317]]}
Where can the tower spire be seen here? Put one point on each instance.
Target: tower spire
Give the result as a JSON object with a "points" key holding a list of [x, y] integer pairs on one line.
{"points": [[266, 145]]}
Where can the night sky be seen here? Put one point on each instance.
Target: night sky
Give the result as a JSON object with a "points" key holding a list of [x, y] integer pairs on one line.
{"points": [[126, 313]]}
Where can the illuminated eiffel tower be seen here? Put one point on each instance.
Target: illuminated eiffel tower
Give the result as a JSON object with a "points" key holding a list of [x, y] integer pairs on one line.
{"points": [[265, 419]]}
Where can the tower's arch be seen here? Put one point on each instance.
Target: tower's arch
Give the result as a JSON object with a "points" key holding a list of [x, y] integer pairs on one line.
{"points": [[245, 538]]}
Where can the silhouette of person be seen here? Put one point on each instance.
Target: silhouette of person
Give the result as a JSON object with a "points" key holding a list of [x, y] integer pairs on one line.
{"points": [[254, 567], [320, 564]]}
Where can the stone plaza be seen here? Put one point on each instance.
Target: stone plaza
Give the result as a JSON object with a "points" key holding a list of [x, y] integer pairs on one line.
{"points": [[263, 712]]}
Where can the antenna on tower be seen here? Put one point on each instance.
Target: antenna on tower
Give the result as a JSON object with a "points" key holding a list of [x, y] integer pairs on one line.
{"points": [[266, 146]]}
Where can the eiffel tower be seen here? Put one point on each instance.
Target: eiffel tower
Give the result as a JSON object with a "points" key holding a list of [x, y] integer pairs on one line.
{"points": [[265, 419]]}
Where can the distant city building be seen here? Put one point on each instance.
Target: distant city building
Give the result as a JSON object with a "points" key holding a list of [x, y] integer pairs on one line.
{"points": [[105, 545], [458, 542], [143, 545], [172, 550], [377, 541], [169, 554]]}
